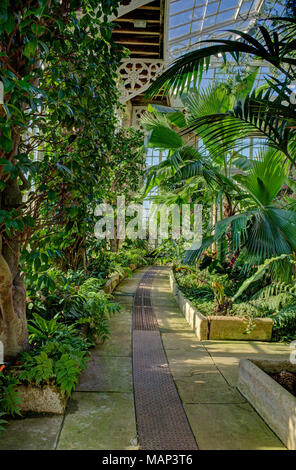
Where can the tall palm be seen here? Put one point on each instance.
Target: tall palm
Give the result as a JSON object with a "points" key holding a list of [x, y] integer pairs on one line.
{"points": [[263, 227]]}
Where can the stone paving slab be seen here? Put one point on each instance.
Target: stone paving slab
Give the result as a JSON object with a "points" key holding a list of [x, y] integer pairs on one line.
{"points": [[183, 341], [119, 343], [107, 374], [230, 427], [205, 373], [209, 387], [226, 355], [129, 285], [38, 433], [242, 348], [98, 421]]}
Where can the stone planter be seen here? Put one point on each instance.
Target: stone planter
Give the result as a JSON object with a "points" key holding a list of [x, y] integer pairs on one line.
{"points": [[112, 283], [115, 279], [47, 399], [233, 328], [196, 320], [273, 402], [220, 327]]}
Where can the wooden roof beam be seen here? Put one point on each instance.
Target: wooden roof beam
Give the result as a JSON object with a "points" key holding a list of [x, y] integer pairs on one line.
{"points": [[137, 43], [144, 53], [147, 7], [131, 20], [136, 31]]}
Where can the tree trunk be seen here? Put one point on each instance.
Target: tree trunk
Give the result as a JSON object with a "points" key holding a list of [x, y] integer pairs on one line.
{"points": [[13, 325]]}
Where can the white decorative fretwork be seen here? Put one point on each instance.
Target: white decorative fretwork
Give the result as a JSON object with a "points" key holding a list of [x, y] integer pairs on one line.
{"points": [[137, 114], [136, 76]]}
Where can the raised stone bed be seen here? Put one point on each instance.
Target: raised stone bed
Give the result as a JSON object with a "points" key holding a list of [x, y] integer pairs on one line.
{"points": [[221, 327], [233, 328], [274, 403], [196, 320], [112, 283], [47, 399], [115, 279]]}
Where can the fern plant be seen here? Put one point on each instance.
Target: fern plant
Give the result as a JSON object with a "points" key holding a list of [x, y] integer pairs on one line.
{"points": [[9, 397], [37, 369], [67, 371], [284, 328], [2, 421], [98, 309]]}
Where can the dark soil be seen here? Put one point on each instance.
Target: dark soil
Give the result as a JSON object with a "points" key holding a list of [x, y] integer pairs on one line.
{"points": [[287, 380]]}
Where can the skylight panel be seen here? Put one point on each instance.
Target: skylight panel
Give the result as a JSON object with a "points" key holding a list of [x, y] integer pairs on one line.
{"points": [[192, 21], [180, 31], [209, 21], [212, 8], [198, 13], [246, 7], [196, 26], [225, 16], [181, 5], [225, 4], [181, 18]]}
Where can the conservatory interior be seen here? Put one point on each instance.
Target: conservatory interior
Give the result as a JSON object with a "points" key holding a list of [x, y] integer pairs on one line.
{"points": [[147, 225]]}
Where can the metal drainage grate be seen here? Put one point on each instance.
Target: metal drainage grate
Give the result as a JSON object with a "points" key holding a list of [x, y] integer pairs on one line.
{"points": [[161, 419]]}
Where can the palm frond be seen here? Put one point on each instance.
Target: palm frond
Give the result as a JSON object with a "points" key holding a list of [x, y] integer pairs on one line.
{"points": [[252, 117], [186, 71]]}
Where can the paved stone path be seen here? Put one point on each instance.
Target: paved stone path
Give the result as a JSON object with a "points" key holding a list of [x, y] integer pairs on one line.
{"points": [[101, 413]]}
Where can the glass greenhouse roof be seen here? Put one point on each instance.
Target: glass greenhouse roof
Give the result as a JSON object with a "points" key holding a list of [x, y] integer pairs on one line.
{"points": [[191, 21]]}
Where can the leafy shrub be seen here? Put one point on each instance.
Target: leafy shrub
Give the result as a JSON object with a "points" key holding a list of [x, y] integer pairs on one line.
{"points": [[9, 397], [61, 298], [97, 309], [284, 328], [2, 421], [41, 330], [41, 369]]}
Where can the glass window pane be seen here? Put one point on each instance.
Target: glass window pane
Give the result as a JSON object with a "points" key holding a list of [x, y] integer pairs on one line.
{"points": [[212, 8], [209, 21], [225, 16], [196, 26], [181, 5], [225, 4], [181, 31], [246, 6], [198, 13], [181, 19]]}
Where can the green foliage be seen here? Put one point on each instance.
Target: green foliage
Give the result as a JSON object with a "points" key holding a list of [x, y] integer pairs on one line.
{"points": [[67, 372], [41, 330], [268, 46], [62, 369], [2, 421], [198, 288], [38, 369], [97, 310], [284, 328], [261, 271], [9, 397]]}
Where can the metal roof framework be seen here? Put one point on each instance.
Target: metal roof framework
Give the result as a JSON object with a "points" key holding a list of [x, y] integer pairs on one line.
{"points": [[186, 22], [190, 21]]}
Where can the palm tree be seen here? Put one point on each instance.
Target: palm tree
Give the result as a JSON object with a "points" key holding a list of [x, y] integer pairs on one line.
{"points": [[255, 220]]}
